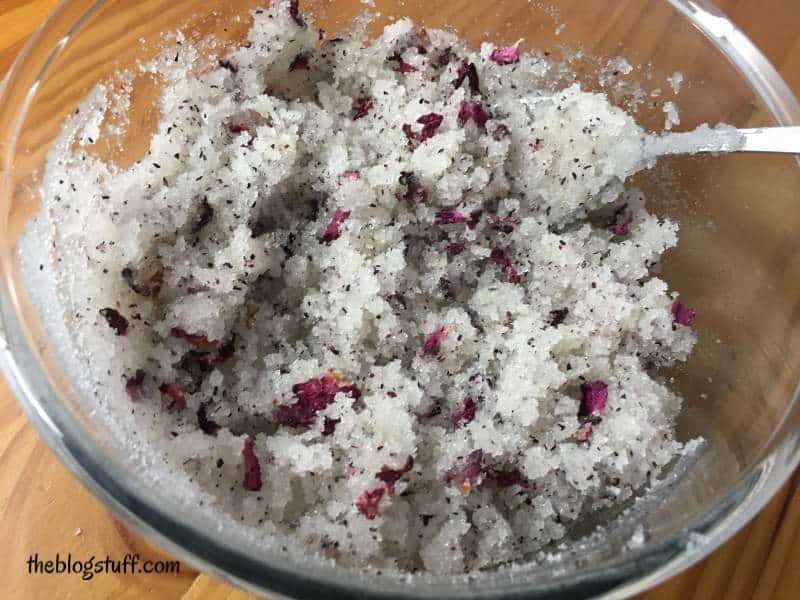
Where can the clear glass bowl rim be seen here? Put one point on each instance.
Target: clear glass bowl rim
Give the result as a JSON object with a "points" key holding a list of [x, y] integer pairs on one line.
{"points": [[634, 572]]}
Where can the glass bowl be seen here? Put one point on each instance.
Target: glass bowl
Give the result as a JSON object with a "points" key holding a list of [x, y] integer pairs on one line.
{"points": [[736, 262]]}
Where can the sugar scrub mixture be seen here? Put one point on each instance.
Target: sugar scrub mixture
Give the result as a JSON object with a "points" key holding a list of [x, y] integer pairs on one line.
{"points": [[390, 301]]}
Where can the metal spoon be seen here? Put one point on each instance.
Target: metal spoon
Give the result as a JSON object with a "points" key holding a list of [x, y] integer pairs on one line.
{"points": [[723, 138]]}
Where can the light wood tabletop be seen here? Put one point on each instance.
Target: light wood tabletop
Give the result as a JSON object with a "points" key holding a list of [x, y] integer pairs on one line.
{"points": [[44, 510]]}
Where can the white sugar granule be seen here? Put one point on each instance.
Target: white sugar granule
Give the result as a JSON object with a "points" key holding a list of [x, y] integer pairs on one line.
{"points": [[361, 292]]}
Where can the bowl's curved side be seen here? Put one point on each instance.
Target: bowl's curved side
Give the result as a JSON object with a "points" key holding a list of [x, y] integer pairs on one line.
{"points": [[644, 567]]}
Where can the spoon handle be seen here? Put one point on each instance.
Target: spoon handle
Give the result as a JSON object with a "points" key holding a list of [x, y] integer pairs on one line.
{"points": [[771, 139]]}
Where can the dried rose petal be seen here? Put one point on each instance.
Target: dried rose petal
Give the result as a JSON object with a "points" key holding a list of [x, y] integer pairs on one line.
{"points": [[557, 316], [469, 110], [465, 476], [503, 224], [502, 260], [594, 395], [252, 468], [506, 56], [248, 120], [681, 314], [467, 71], [414, 190], [367, 502], [448, 217], [351, 175], [198, 340], [584, 432], [227, 64], [464, 412], [445, 57], [226, 351], [133, 386], [500, 132], [390, 476], [130, 279], [406, 68], [329, 426], [115, 320], [361, 107], [457, 247], [333, 231], [622, 228], [204, 216], [433, 341], [300, 62], [430, 123], [508, 476], [175, 394], [474, 218], [206, 425], [312, 396], [294, 12]]}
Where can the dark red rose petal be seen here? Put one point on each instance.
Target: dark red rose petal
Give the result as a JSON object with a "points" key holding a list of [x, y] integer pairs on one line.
{"points": [[333, 230], [502, 260], [474, 218], [247, 120], [594, 395], [390, 476], [361, 107], [133, 386], [312, 396], [448, 217], [115, 320], [470, 110], [294, 12], [463, 412], [470, 73], [681, 314], [507, 477], [367, 502], [406, 68], [457, 247], [206, 425], [227, 64], [300, 62], [174, 393], [252, 468], [329, 426], [198, 340]]}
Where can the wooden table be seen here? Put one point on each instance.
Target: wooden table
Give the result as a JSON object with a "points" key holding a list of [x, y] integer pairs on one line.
{"points": [[44, 510]]}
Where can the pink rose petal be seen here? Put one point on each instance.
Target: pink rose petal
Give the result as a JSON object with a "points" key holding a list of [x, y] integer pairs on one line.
{"points": [[333, 230], [594, 395], [466, 475], [506, 56], [367, 502], [433, 341], [681, 314]]}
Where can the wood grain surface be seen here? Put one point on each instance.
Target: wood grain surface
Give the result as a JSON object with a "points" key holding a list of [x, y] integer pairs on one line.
{"points": [[44, 510]]}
